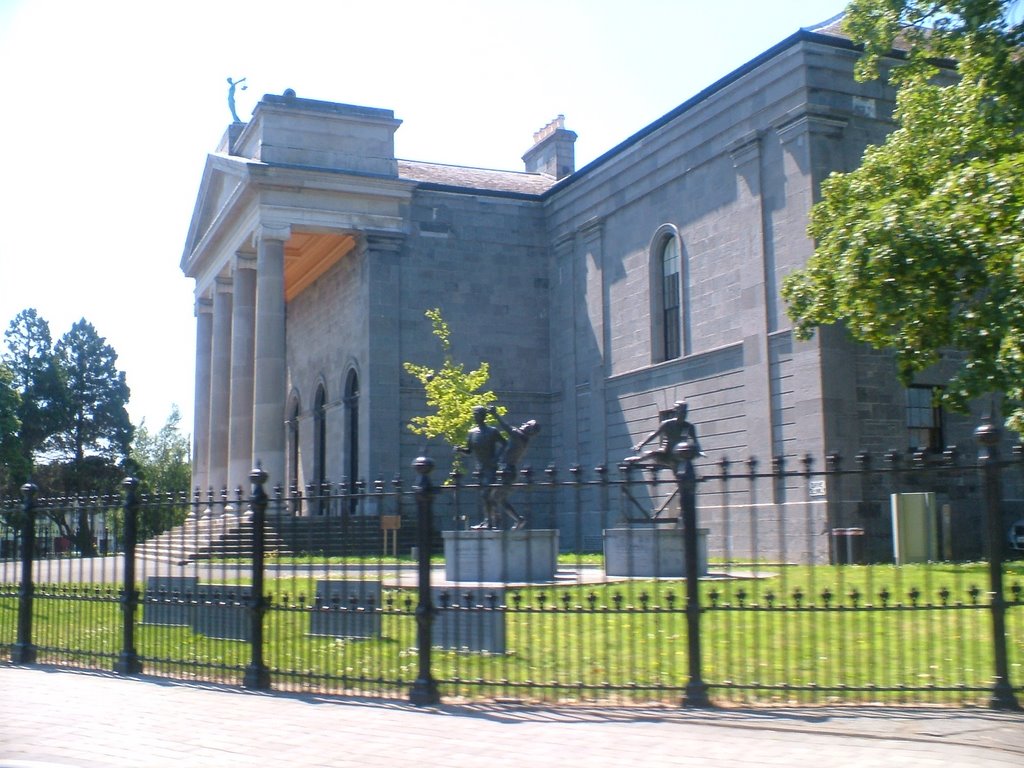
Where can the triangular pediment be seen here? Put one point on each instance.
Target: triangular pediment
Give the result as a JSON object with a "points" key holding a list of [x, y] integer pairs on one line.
{"points": [[223, 179]]}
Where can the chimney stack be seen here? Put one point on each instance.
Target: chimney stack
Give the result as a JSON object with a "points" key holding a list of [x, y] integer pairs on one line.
{"points": [[553, 151]]}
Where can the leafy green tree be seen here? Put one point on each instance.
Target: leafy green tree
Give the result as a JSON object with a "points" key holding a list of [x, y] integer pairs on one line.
{"points": [[161, 462], [162, 457], [39, 382], [451, 391], [921, 249]]}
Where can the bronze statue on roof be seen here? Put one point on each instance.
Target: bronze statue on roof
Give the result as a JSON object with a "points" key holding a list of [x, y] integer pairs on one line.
{"points": [[232, 84]]}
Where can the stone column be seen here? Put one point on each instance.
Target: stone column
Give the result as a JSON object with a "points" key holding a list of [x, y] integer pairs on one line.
{"points": [[220, 384], [270, 388], [380, 385], [243, 337], [201, 424]]}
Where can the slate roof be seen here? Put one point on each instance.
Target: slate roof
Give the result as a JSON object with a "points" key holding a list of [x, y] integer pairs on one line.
{"points": [[832, 27], [461, 177], [518, 184]]}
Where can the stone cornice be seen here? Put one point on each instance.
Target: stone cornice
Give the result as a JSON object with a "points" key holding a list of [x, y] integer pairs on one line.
{"points": [[746, 149], [794, 127], [384, 241], [592, 229], [270, 176]]}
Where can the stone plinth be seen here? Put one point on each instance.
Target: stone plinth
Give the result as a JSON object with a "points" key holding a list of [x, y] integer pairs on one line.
{"points": [[651, 551], [346, 608], [469, 619], [500, 556], [214, 610], [223, 612], [168, 600]]}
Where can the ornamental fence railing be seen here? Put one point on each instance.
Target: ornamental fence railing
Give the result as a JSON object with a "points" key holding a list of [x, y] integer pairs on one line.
{"points": [[868, 581]]}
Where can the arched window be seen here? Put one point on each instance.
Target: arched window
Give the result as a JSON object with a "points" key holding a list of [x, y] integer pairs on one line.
{"points": [[670, 287], [666, 269], [352, 434], [320, 447]]}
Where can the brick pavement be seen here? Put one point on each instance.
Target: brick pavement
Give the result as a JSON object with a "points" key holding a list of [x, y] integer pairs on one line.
{"points": [[66, 718]]}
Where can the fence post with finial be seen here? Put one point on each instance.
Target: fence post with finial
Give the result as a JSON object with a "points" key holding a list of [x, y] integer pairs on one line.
{"points": [[424, 690], [128, 662], [24, 652], [257, 676], [696, 693], [988, 436]]}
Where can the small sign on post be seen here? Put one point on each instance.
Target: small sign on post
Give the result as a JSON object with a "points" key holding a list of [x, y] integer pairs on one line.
{"points": [[390, 524]]}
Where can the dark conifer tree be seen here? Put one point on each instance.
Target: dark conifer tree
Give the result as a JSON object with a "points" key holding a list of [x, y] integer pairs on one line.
{"points": [[42, 395]]}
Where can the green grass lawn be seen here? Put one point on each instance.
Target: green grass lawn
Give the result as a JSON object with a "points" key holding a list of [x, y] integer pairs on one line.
{"points": [[808, 634]]}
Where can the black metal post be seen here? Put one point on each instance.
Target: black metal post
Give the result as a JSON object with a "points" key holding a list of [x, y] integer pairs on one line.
{"points": [[128, 662], [24, 652], [424, 690], [988, 435], [696, 694], [257, 676]]}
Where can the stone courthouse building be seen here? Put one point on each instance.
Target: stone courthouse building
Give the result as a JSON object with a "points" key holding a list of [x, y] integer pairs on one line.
{"points": [[598, 295]]}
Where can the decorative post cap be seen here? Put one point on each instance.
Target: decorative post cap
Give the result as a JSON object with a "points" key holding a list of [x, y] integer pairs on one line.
{"points": [[424, 465], [258, 475], [29, 489], [987, 432]]}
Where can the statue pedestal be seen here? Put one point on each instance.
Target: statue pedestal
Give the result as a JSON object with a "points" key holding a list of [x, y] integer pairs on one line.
{"points": [[469, 618], [500, 556], [651, 551], [346, 608]]}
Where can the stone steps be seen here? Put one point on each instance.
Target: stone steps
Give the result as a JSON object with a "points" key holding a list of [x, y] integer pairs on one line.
{"points": [[207, 538]]}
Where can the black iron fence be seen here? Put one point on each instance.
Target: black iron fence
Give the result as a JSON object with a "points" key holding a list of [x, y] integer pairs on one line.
{"points": [[717, 583]]}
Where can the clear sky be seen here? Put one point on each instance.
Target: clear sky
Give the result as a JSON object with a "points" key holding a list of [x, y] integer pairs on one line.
{"points": [[109, 109]]}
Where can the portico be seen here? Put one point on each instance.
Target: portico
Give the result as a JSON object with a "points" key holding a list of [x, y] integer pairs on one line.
{"points": [[272, 216]]}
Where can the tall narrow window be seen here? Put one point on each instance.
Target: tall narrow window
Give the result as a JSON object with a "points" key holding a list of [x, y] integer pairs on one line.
{"points": [[670, 320], [320, 448], [924, 419], [293, 455], [352, 434]]}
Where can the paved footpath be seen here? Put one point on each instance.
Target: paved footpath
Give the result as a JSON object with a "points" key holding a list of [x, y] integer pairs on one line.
{"points": [[51, 718]]}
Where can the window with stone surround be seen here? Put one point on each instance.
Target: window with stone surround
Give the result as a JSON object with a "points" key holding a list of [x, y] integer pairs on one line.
{"points": [[666, 295], [924, 419]]}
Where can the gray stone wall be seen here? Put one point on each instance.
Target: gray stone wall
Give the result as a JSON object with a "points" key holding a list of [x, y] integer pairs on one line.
{"points": [[740, 215], [328, 336], [320, 135], [482, 260]]}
